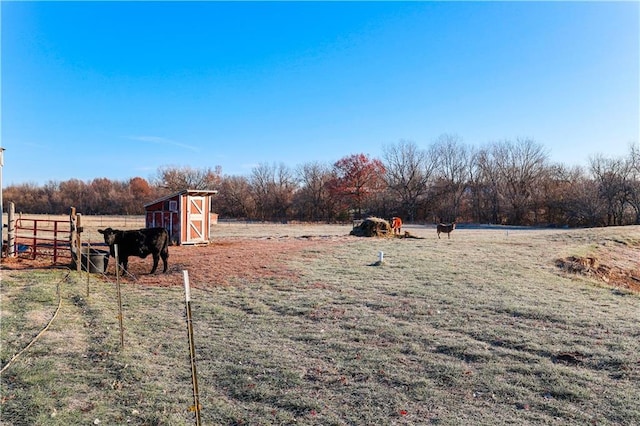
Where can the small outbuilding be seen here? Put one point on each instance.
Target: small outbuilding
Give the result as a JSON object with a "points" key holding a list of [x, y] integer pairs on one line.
{"points": [[185, 214]]}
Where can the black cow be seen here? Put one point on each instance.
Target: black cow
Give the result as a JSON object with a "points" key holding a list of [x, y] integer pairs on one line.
{"points": [[141, 243]]}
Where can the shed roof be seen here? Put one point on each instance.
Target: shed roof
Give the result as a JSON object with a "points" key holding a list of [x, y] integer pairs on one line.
{"points": [[194, 192]]}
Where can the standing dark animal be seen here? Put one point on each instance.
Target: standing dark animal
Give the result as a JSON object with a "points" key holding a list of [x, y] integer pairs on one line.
{"points": [[141, 243], [446, 229]]}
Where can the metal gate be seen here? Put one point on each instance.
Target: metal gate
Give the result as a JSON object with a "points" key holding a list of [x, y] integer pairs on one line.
{"points": [[42, 237]]}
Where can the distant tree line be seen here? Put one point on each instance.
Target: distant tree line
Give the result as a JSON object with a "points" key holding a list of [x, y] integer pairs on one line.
{"points": [[508, 182]]}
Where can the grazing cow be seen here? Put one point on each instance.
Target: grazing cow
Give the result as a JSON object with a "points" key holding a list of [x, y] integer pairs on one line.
{"points": [[141, 243], [396, 225], [446, 229]]}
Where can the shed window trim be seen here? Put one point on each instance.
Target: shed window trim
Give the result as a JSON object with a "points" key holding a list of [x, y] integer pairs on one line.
{"points": [[173, 206]]}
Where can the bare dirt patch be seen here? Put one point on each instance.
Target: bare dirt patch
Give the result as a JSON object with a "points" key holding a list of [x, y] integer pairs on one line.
{"points": [[19, 263], [228, 261], [614, 263]]}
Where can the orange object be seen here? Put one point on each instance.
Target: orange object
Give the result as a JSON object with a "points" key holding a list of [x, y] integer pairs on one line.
{"points": [[396, 225]]}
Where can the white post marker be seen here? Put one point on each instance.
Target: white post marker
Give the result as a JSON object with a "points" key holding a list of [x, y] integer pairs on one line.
{"points": [[381, 256], [187, 288]]}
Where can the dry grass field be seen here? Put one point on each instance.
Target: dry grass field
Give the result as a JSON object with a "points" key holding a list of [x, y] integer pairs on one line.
{"points": [[299, 324]]}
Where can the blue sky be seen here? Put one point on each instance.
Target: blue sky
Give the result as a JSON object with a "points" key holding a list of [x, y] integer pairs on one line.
{"points": [[119, 89]]}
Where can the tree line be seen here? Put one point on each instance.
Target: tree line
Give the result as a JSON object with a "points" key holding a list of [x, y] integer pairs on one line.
{"points": [[509, 182]]}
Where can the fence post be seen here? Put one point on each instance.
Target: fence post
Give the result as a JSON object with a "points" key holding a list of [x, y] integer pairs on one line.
{"points": [[11, 231], [79, 239], [88, 265], [55, 242], [192, 349], [73, 239], [115, 248], [35, 238]]}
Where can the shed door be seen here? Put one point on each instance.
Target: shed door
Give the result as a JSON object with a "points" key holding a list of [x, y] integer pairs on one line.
{"points": [[196, 209]]}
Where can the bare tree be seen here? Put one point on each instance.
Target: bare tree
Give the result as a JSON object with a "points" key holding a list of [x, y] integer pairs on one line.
{"points": [[633, 181], [550, 197], [100, 196], [611, 175], [452, 170], [521, 166], [29, 197], [313, 200], [175, 179], [286, 185], [234, 198], [408, 172], [273, 188], [72, 192], [581, 202], [261, 181], [485, 189]]}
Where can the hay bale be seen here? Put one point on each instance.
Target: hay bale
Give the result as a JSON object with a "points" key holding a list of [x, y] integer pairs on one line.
{"points": [[372, 227]]}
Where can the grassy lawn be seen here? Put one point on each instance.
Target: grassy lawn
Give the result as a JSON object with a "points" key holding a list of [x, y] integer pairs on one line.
{"points": [[481, 329]]}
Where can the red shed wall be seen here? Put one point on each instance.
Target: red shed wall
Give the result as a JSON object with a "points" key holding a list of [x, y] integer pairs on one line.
{"points": [[166, 214]]}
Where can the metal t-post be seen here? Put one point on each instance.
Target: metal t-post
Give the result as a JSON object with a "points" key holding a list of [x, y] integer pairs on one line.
{"points": [[192, 349]]}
